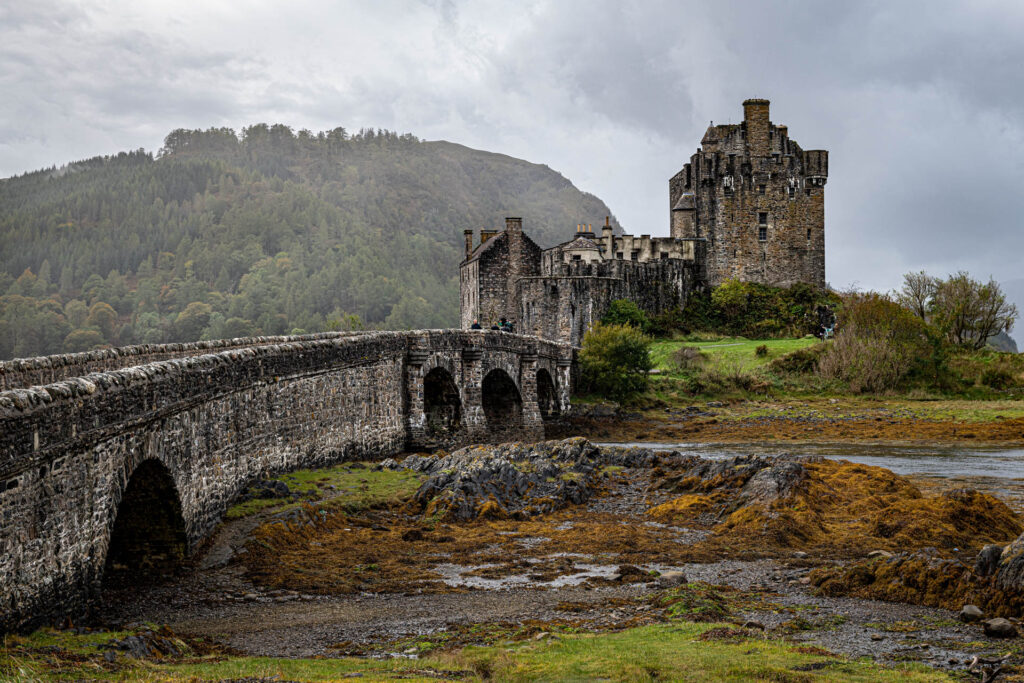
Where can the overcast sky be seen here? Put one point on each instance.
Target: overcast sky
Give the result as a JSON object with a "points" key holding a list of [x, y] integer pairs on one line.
{"points": [[921, 104]]}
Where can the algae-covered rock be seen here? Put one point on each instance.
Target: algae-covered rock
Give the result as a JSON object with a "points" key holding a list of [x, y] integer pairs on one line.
{"points": [[1000, 628], [515, 479], [1010, 575], [970, 613]]}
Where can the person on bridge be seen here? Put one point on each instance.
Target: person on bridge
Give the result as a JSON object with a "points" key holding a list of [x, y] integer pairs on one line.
{"points": [[475, 325]]}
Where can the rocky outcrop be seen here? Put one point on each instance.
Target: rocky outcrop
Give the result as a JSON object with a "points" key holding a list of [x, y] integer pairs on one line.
{"points": [[515, 479]]}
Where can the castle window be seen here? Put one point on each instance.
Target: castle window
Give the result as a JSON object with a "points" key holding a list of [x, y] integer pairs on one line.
{"points": [[762, 233], [808, 192], [618, 255], [664, 256], [760, 189], [576, 257], [808, 234], [762, 218], [792, 191], [635, 256]]}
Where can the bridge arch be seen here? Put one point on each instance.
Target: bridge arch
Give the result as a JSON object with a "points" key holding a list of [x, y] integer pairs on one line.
{"points": [[148, 537], [442, 405], [547, 396], [502, 404]]}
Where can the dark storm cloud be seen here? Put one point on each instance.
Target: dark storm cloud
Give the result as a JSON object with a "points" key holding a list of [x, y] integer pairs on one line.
{"points": [[921, 106]]}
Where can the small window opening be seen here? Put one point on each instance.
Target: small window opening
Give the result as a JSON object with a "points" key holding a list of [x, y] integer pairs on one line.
{"points": [[792, 191], [635, 256], [664, 256], [762, 233], [618, 255], [808, 192], [576, 257], [762, 218], [760, 189], [808, 234]]}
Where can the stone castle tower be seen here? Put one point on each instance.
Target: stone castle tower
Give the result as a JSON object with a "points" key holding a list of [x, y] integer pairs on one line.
{"points": [[758, 200], [750, 205]]}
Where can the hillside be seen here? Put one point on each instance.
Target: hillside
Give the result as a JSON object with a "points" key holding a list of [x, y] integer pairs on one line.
{"points": [[267, 231]]}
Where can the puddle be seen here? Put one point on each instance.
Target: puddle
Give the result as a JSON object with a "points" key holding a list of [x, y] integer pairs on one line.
{"points": [[455, 575]]}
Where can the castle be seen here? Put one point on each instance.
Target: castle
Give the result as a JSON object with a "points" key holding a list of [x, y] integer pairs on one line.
{"points": [[750, 205]]}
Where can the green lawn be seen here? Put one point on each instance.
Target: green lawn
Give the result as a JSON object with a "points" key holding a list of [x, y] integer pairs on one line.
{"points": [[680, 651], [734, 352], [349, 486]]}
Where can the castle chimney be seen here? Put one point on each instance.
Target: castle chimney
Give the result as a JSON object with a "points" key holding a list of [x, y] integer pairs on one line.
{"points": [[486, 234], [755, 118], [468, 235], [607, 238], [513, 224]]}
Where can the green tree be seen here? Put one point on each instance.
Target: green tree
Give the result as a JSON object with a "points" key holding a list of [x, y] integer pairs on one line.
{"points": [[968, 312], [76, 312], [83, 340], [103, 317], [614, 360], [189, 324], [625, 312]]}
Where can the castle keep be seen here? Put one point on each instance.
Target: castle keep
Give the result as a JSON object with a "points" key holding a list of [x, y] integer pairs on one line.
{"points": [[750, 205]]}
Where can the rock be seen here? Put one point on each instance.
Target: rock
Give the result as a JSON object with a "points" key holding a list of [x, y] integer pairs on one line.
{"points": [[988, 560], [799, 555], [412, 535], [753, 624], [1000, 628], [879, 553], [1010, 575], [805, 581], [970, 613], [877, 637], [671, 579], [715, 404]]}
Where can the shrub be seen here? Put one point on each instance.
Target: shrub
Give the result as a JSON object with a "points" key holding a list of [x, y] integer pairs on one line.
{"points": [[761, 351], [625, 312], [614, 360], [879, 343], [998, 378], [801, 361]]}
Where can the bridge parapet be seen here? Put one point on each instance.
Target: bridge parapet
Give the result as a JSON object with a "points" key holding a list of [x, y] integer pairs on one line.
{"points": [[70, 449]]}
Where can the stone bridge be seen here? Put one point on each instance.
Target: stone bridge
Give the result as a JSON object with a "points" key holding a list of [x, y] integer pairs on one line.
{"points": [[127, 459]]}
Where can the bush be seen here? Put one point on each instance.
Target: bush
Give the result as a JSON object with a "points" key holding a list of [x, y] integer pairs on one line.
{"points": [[878, 345], [761, 351], [625, 312], [998, 378], [801, 361], [614, 361]]}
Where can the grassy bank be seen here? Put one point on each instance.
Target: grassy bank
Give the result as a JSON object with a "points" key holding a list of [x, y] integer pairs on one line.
{"points": [[678, 651]]}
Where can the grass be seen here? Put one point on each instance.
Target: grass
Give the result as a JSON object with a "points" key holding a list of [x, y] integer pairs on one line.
{"points": [[677, 651], [351, 487], [729, 352]]}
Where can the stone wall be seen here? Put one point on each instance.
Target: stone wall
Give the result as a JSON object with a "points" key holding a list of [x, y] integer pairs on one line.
{"points": [[27, 372], [215, 422], [564, 307]]}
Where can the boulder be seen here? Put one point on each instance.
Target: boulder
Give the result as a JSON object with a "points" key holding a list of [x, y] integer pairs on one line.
{"points": [[987, 561], [1010, 574], [1000, 628], [970, 613], [671, 579]]}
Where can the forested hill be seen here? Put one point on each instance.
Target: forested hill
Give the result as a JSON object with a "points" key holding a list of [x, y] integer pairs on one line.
{"points": [[266, 232]]}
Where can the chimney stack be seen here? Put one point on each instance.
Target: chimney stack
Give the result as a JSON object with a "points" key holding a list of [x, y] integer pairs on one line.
{"points": [[513, 224], [755, 117], [468, 235]]}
